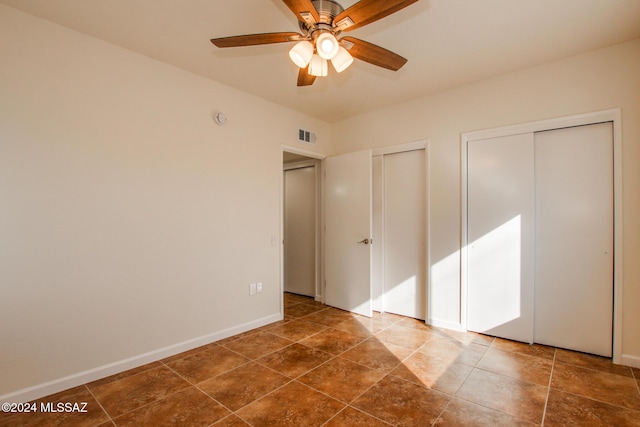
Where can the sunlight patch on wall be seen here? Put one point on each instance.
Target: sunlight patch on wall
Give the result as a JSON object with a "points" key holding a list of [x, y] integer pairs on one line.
{"points": [[495, 276]]}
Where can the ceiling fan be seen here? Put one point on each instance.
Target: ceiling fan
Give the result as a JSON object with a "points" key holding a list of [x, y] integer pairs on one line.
{"points": [[321, 22]]}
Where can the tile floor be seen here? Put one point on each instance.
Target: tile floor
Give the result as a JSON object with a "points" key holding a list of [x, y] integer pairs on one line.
{"points": [[326, 367]]}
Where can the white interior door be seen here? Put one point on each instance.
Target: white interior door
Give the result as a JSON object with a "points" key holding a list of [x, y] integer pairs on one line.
{"points": [[574, 238], [500, 236], [377, 258], [405, 234], [300, 230], [348, 232]]}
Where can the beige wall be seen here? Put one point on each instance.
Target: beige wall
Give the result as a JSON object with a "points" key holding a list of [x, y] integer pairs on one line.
{"points": [[597, 80], [129, 221]]}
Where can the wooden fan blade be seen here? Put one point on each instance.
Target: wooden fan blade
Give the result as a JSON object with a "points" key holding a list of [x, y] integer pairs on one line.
{"points": [[374, 54], [367, 11], [302, 8], [304, 78], [256, 39]]}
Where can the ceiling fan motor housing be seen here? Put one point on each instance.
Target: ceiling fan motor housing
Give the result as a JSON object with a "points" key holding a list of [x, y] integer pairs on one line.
{"points": [[327, 9]]}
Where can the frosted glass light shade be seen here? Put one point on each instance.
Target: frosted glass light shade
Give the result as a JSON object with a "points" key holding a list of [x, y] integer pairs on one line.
{"points": [[318, 66], [327, 45], [342, 60], [301, 53]]}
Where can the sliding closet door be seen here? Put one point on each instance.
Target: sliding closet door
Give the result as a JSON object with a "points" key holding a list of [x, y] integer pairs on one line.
{"points": [[500, 236], [574, 238], [405, 234]]}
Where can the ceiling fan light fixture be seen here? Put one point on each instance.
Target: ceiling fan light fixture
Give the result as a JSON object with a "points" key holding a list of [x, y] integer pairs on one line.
{"points": [[301, 53], [342, 60], [327, 45], [320, 23], [318, 66]]}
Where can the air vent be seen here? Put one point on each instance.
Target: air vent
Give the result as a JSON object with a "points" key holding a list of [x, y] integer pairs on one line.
{"points": [[306, 136]]}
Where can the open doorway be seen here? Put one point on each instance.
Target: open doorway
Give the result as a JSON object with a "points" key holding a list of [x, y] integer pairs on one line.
{"points": [[301, 222]]}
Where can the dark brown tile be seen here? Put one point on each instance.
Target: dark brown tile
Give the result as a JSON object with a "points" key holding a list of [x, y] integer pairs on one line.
{"points": [[329, 317], [387, 318], [538, 350], [188, 407], [466, 414], [243, 385], [363, 326], [592, 362], [206, 364], [288, 302], [402, 403], [409, 322], [351, 417], [301, 310], [93, 416], [6, 418], [454, 350], [65, 395], [341, 379], [603, 386], [296, 299], [377, 355], [188, 353], [294, 360], [565, 410], [332, 341], [586, 390], [438, 374], [515, 397], [532, 369], [296, 329], [258, 345], [466, 337], [410, 338], [247, 333], [134, 391], [230, 421], [124, 374], [292, 405]]}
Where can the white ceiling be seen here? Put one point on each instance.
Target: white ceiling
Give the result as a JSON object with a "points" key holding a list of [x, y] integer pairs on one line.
{"points": [[448, 42]]}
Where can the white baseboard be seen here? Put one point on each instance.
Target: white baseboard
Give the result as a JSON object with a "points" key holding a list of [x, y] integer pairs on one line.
{"points": [[45, 389], [446, 324], [630, 360]]}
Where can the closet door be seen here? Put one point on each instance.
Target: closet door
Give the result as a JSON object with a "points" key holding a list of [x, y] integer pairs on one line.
{"points": [[405, 234], [377, 253], [500, 236], [574, 238]]}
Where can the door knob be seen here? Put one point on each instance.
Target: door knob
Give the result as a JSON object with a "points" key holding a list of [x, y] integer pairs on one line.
{"points": [[365, 241]]}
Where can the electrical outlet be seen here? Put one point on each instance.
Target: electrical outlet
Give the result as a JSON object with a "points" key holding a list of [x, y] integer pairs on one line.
{"points": [[252, 288], [259, 287]]}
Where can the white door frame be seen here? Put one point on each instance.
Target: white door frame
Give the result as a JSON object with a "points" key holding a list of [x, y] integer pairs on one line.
{"points": [[315, 160], [612, 115], [288, 167]]}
